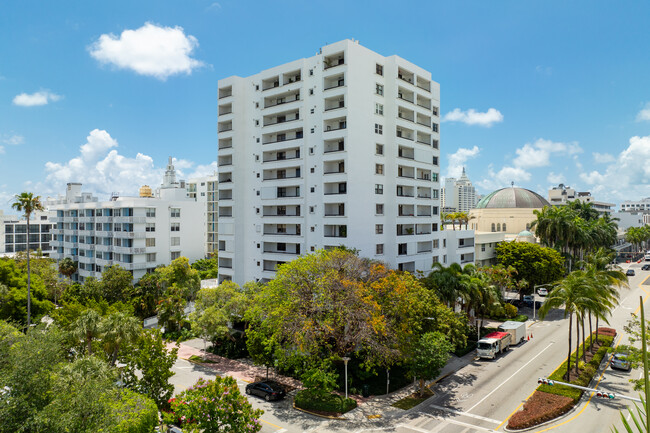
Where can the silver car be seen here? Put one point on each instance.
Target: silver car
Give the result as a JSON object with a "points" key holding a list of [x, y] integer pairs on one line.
{"points": [[620, 360]]}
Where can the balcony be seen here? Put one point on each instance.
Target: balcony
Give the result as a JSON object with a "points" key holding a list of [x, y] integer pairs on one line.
{"points": [[282, 99], [333, 61], [406, 95], [335, 124], [405, 75], [288, 192], [286, 117], [334, 82], [334, 146], [271, 83], [281, 211], [335, 231], [423, 84], [224, 126], [225, 160], [225, 143], [282, 230], [225, 92], [225, 109], [285, 136], [334, 103], [284, 155], [405, 114], [334, 209], [285, 173], [335, 188], [405, 133], [333, 167]]}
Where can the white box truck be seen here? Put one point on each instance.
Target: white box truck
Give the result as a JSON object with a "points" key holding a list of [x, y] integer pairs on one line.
{"points": [[516, 329], [493, 344]]}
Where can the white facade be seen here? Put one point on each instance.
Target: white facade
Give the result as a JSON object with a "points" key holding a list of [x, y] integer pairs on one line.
{"points": [[338, 148], [205, 190], [458, 195], [13, 233], [638, 205], [137, 233], [458, 247], [560, 195]]}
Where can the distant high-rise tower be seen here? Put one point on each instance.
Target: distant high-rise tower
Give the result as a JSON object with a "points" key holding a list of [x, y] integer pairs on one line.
{"points": [[458, 195]]}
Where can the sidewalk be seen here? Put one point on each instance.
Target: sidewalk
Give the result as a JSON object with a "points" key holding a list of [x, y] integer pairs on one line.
{"points": [[368, 408]]}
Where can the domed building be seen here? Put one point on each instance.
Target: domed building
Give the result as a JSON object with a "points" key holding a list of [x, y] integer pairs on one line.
{"points": [[503, 215]]}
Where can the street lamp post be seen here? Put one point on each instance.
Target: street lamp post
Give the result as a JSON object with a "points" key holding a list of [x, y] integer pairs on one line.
{"points": [[535, 303], [345, 362]]}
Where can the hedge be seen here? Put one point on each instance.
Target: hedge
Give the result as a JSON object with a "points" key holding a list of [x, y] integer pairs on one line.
{"points": [[539, 408], [586, 374], [323, 402]]}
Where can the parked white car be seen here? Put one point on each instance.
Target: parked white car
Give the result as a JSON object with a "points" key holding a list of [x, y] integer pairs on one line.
{"points": [[542, 291]]}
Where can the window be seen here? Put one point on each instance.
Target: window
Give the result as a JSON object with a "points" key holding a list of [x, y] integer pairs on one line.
{"points": [[482, 247], [311, 209], [504, 227], [379, 188], [380, 89], [435, 160], [436, 243], [175, 255], [379, 69], [175, 212], [435, 144], [379, 168], [379, 209], [379, 109], [434, 177], [311, 72], [379, 149], [434, 210], [434, 127], [434, 227], [151, 212], [175, 241], [151, 257], [435, 259], [498, 227], [311, 91], [150, 227], [176, 227], [150, 242], [402, 249], [379, 229], [494, 227], [379, 248], [444, 244], [312, 248], [311, 111], [435, 110], [312, 189], [434, 194], [379, 129]]}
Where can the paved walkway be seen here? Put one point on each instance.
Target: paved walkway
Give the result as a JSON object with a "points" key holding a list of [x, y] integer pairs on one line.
{"points": [[368, 408]]}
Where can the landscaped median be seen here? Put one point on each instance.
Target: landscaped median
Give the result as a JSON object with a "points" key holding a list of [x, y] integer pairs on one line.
{"points": [[551, 401]]}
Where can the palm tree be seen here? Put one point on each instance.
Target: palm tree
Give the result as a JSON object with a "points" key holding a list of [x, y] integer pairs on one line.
{"points": [[573, 294], [26, 202], [87, 328], [117, 329], [445, 282], [67, 267], [463, 218]]}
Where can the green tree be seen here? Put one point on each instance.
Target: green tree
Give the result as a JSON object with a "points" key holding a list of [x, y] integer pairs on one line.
{"points": [[180, 274], [118, 330], [208, 268], [171, 308], [216, 307], [87, 328], [149, 366], [215, 406], [532, 263], [146, 294], [428, 357], [14, 294], [27, 203], [444, 281], [67, 267], [117, 284]]}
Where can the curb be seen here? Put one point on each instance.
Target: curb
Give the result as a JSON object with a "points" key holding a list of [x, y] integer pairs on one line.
{"points": [[318, 414]]}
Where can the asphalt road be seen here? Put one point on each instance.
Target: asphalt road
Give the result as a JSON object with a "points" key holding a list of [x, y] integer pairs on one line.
{"points": [[483, 395]]}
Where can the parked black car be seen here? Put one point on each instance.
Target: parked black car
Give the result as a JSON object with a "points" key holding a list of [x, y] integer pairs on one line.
{"points": [[645, 268], [630, 272], [267, 389]]}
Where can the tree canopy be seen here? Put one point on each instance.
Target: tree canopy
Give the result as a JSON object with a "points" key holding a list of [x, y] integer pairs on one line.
{"points": [[533, 263]]}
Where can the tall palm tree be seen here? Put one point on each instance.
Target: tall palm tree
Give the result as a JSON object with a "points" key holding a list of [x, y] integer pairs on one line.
{"points": [[572, 293], [445, 282], [67, 267], [117, 329], [26, 202], [87, 327]]}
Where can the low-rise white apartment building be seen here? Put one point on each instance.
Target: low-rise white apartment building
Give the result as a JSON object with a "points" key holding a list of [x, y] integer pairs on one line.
{"points": [[636, 205], [562, 194], [341, 148], [137, 233], [205, 191], [13, 233]]}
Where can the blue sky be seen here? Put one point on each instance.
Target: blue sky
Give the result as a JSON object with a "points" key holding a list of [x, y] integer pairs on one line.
{"points": [[532, 92]]}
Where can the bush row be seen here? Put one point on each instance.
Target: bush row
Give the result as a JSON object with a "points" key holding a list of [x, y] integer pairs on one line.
{"points": [[539, 408], [323, 402]]}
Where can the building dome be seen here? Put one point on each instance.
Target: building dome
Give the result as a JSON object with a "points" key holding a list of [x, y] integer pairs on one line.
{"points": [[512, 198], [525, 234]]}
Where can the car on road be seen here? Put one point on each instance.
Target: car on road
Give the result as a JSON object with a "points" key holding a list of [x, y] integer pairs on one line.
{"points": [[528, 300], [630, 273], [542, 291], [620, 360], [645, 268], [267, 389]]}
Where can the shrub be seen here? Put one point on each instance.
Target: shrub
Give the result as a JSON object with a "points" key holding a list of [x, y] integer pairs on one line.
{"points": [[232, 348], [510, 311], [541, 407], [317, 401], [611, 332]]}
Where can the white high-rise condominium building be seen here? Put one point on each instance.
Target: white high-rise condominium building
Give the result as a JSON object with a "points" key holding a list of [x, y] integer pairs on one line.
{"points": [[204, 190], [137, 233], [13, 233], [458, 195], [337, 149]]}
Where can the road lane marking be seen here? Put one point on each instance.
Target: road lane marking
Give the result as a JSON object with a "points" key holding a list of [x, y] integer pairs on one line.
{"points": [[513, 375], [457, 412], [453, 421]]}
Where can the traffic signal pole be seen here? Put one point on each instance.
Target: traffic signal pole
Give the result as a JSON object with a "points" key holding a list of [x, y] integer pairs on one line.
{"points": [[610, 395]]}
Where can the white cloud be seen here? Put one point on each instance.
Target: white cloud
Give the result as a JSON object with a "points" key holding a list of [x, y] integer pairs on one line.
{"points": [[204, 170], [539, 154], [603, 158], [644, 114], [473, 117], [151, 50], [2, 150], [213, 6], [628, 176], [458, 158], [555, 179], [42, 97], [504, 177], [13, 140], [102, 170]]}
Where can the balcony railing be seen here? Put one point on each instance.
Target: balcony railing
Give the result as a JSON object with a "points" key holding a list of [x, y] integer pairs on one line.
{"points": [[280, 141], [280, 178], [281, 121], [286, 158], [283, 102], [328, 129], [335, 86]]}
